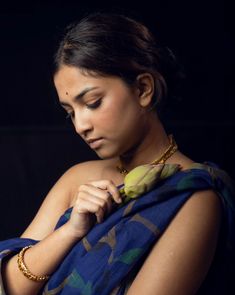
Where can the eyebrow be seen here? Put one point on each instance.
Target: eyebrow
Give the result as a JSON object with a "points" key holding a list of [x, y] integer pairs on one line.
{"points": [[79, 95]]}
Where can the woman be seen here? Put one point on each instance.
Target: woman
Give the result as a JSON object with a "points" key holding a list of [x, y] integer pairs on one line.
{"points": [[165, 231]]}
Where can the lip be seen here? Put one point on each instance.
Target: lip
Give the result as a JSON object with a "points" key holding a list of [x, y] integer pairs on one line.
{"points": [[95, 143]]}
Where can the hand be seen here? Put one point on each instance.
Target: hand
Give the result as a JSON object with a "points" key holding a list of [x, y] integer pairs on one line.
{"points": [[94, 201]]}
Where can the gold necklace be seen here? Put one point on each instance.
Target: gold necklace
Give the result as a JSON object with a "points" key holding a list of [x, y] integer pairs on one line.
{"points": [[168, 152]]}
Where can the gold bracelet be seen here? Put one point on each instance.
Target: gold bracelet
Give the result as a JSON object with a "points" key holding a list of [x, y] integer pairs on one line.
{"points": [[23, 268]]}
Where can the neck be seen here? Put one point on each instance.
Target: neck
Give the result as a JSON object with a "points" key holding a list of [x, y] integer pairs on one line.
{"points": [[151, 146]]}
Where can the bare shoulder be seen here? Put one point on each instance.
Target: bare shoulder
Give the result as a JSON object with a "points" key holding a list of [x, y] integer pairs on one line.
{"points": [[85, 171], [185, 250], [205, 201], [99, 166], [200, 214], [88, 171]]}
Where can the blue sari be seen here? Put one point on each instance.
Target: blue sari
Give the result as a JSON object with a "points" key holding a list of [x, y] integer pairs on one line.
{"points": [[105, 260]]}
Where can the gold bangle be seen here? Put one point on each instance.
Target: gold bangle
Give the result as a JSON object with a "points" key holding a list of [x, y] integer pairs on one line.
{"points": [[23, 268]]}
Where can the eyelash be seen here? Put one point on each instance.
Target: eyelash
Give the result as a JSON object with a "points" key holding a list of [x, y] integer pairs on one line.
{"points": [[94, 105]]}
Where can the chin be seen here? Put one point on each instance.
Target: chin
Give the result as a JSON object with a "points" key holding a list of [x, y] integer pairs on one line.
{"points": [[106, 155]]}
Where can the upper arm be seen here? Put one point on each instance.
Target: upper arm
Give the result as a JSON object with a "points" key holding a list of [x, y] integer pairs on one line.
{"points": [[54, 205], [179, 261]]}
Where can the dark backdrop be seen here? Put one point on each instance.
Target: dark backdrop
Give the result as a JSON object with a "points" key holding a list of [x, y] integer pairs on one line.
{"points": [[37, 145]]}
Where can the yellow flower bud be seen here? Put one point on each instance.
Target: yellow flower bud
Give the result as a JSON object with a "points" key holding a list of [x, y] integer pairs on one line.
{"points": [[143, 178]]}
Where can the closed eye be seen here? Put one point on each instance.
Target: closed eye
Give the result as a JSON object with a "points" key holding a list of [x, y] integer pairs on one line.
{"points": [[94, 105]]}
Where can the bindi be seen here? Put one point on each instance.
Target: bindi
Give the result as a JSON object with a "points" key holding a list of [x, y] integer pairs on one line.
{"points": [[66, 93]]}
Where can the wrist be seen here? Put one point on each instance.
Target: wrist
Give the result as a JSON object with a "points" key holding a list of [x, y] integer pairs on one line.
{"points": [[71, 233]]}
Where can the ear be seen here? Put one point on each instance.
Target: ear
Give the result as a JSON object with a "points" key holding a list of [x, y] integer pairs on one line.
{"points": [[145, 85]]}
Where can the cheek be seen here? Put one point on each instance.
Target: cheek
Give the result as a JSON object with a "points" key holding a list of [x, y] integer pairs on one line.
{"points": [[107, 120], [120, 118], [111, 112]]}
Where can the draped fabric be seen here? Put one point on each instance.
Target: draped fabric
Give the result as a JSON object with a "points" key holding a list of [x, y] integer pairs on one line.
{"points": [[105, 260]]}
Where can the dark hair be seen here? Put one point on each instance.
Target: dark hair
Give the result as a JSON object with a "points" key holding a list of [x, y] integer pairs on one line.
{"points": [[113, 44]]}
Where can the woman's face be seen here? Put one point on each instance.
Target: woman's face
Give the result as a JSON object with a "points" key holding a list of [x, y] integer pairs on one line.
{"points": [[102, 108]]}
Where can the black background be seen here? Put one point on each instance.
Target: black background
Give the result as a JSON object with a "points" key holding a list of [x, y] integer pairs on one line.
{"points": [[37, 145]]}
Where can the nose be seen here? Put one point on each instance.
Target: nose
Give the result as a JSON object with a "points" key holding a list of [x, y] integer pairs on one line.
{"points": [[82, 124]]}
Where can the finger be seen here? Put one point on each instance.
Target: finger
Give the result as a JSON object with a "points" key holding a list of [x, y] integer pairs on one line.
{"points": [[109, 203], [95, 195], [100, 215], [100, 193], [86, 206], [95, 191], [93, 209], [110, 187], [99, 187]]}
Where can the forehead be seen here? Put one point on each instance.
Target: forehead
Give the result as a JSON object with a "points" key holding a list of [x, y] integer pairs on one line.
{"points": [[71, 79]]}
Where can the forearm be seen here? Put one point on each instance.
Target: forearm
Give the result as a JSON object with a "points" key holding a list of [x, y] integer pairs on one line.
{"points": [[42, 259]]}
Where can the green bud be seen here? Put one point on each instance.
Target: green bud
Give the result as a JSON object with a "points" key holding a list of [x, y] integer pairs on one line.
{"points": [[144, 177]]}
